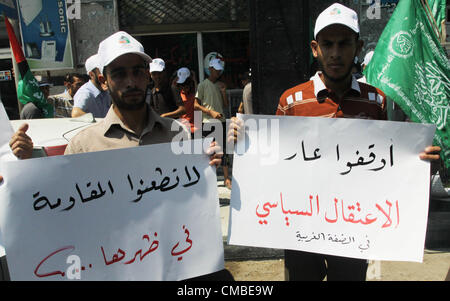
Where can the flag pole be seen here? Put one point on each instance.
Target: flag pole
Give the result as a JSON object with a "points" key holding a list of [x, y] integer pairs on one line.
{"points": [[14, 62], [429, 14]]}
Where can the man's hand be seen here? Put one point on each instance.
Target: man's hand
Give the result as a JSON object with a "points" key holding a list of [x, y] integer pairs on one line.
{"points": [[215, 115], [215, 154], [21, 144], [235, 130], [431, 153]]}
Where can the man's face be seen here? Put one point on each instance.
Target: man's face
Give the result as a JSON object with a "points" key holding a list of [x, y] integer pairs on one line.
{"points": [[75, 85], [45, 90], [214, 74], [127, 78], [335, 49], [158, 78]]}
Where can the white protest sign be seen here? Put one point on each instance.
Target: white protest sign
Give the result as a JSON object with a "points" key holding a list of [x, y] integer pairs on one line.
{"points": [[346, 187], [129, 214], [6, 132]]}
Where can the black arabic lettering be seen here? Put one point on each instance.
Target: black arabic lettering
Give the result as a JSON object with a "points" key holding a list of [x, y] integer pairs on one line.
{"points": [[43, 202], [189, 177], [316, 156], [362, 162], [165, 184]]}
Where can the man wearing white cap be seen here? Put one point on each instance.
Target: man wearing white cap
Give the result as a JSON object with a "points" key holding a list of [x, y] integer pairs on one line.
{"points": [[186, 84], [211, 95], [130, 122], [334, 93], [164, 97], [91, 98]]}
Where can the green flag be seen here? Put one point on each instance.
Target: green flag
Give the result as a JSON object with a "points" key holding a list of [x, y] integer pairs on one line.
{"points": [[410, 66], [28, 88]]}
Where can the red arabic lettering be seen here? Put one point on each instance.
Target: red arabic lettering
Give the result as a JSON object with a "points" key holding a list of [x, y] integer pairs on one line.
{"points": [[150, 250], [336, 213], [188, 240], [350, 213], [267, 206], [46, 258], [351, 216], [297, 212], [388, 215], [120, 254]]}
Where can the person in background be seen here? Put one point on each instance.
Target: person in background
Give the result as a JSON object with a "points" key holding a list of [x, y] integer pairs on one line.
{"points": [[91, 97], [30, 110], [185, 81], [164, 97], [211, 95], [63, 103], [246, 106]]}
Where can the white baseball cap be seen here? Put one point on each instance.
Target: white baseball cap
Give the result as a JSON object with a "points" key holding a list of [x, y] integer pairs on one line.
{"points": [[337, 14], [215, 63], [118, 44], [367, 58], [157, 65], [91, 63], [183, 74]]}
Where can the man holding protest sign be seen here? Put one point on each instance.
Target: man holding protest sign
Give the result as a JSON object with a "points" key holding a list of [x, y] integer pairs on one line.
{"points": [[332, 93], [130, 121]]}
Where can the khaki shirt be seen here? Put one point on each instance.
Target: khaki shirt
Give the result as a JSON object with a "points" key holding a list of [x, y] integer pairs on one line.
{"points": [[211, 98], [111, 133]]}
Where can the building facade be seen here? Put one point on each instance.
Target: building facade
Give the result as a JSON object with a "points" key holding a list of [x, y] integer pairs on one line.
{"points": [[271, 37]]}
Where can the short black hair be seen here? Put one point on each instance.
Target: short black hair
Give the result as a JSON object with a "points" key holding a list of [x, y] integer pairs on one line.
{"points": [[70, 77]]}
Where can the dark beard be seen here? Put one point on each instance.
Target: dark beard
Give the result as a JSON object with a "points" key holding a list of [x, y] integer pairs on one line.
{"points": [[118, 102], [335, 79]]}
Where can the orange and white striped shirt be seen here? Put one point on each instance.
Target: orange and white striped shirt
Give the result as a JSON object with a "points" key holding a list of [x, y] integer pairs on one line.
{"points": [[314, 99]]}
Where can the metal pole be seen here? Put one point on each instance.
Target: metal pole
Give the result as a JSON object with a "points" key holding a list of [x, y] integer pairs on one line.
{"points": [[201, 72]]}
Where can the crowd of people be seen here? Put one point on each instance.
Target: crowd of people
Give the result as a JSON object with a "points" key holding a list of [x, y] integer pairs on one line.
{"points": [[133, 115]]}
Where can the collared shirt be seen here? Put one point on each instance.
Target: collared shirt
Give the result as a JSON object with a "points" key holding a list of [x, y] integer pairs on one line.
{"points": [[314, 99], [31, 111], [62, 103], [111, 133], [211, 98], [91, 100]]}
